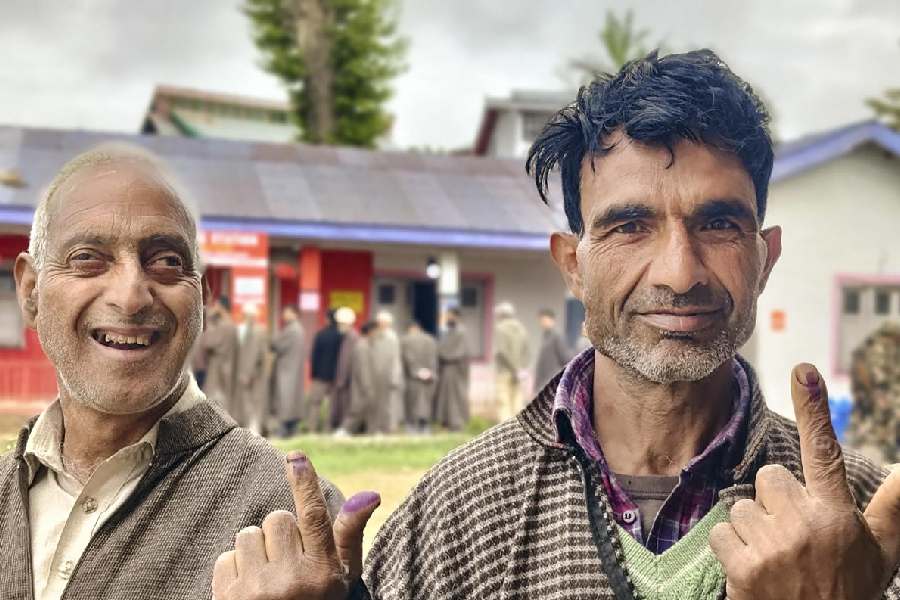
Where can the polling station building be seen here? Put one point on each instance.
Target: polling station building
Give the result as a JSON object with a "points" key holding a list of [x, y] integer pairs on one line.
{"points": [[318, 227], [376, 230]]}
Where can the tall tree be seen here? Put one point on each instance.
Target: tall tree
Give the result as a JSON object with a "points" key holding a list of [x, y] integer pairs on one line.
{"points": [[620, 42], [888, 107], [337, 59]]}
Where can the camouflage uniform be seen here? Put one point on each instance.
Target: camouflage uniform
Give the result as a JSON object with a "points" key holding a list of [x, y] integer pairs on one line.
{"points": [[875, 382]]}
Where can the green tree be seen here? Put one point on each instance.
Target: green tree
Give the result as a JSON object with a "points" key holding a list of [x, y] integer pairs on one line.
{"points": [[620, 42], [887, 108], [337, 59]]}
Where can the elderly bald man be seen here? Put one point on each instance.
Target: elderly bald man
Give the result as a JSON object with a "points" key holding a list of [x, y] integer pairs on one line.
{"points": [[130, 484]]}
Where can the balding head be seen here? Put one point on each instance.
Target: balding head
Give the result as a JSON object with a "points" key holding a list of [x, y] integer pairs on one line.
{"points": [[149, 168], [112, 281]]}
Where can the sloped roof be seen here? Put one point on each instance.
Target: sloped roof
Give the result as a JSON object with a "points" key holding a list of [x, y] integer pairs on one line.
{"points": [[304, 191], [171, 91], [795, 157]]}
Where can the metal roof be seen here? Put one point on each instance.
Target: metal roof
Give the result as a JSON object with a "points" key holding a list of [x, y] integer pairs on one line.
{"points": [[311, 191], [795, 157], [316, 192]]}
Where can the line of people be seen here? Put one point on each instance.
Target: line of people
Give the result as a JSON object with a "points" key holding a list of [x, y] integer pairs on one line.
{"points": [[373, 381]]}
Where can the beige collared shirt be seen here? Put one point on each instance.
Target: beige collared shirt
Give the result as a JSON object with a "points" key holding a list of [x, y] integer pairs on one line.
{"points": [[63, 514]]}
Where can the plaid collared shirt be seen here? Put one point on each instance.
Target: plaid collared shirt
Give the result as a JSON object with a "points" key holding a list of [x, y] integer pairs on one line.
{"points": [[699, 482]]}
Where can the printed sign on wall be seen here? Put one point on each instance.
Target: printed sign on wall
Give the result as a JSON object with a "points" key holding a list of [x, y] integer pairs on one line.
{"points": [[246, 254]]}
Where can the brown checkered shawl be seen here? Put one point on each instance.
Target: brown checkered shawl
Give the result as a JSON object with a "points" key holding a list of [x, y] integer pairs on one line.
{"points": [[515, 514], [207, 481]]}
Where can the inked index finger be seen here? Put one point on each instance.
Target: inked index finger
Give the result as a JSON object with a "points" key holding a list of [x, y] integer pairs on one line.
{"points": [[820, 452], [313, 519]]}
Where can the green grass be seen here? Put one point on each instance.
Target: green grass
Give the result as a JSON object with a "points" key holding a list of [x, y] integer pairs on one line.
{"points": [[342, 456], [390, 465]]}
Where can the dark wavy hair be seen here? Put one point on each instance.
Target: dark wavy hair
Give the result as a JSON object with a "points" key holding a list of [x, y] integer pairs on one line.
{"points": [[656, 100]]}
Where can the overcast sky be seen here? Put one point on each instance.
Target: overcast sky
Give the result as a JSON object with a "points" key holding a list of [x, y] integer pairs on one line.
{"points": [[95, 66]]}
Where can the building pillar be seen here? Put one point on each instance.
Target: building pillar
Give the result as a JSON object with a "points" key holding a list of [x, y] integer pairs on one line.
{"points": [[310, 286], [448, 281]]}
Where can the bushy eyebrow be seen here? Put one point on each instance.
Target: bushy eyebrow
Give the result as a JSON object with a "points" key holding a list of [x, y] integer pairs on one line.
{"points": [[90, 239], [160, 240], [169, 241], [724, 207], [712, 209], [623, 212]]}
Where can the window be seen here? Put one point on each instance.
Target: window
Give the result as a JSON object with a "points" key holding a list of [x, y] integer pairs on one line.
{"points": [[386, 294], [864, 308], [882, 302], [469, 297], [851, 301]]}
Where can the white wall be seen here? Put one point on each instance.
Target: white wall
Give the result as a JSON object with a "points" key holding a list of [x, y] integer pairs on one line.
{"points": [[506, 139], [840, 218]]}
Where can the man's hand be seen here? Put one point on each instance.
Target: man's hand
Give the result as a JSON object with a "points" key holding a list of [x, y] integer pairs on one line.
{"points": [[302, 558], [810, 543]]}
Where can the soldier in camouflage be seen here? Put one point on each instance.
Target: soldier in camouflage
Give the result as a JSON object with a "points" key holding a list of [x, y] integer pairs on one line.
{"points": [[875, 379]]}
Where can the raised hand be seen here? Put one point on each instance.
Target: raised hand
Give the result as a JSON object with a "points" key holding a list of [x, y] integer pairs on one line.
{"points": [[302, 558], [810, 543]]}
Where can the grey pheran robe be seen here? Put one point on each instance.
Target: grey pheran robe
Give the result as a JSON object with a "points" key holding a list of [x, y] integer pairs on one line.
{"points": [[452, 402], [252, 378], [289, 372], [419, 352]]}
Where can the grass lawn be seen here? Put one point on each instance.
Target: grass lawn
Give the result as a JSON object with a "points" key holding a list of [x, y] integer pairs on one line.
{"points": [[389, 465]]}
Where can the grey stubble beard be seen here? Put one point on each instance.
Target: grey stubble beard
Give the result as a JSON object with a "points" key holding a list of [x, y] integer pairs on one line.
{"points": [[674, 357], [92, 393]]}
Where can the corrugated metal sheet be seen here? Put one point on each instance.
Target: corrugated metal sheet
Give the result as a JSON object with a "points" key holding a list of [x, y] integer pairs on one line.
{"points": [[300, 183]]}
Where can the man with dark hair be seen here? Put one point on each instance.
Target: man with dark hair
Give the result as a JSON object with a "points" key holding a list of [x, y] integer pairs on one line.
{"points": [[418, 349], [452, 397], [361, 412], [651, 468], [554, 353], [324, 358]]}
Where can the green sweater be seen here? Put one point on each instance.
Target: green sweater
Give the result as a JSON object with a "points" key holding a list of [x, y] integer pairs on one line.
{"points": [[687, 571]]}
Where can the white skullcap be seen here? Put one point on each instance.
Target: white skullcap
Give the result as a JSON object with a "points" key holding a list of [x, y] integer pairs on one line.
{"points": [[345, 315]]}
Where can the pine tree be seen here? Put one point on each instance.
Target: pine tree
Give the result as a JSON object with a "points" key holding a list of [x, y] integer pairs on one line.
{"points": [[337, 59]]}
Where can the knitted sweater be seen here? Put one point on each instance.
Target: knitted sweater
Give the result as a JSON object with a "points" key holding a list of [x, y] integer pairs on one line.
{"points": [[208, 480], [686, 571], [515, 514]]}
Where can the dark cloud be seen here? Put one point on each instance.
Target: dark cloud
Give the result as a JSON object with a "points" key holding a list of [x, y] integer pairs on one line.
{"points": [[95, 66]]}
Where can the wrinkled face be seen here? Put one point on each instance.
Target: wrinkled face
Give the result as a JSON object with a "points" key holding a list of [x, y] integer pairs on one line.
{"points": [[119, 299], [672, 258]]}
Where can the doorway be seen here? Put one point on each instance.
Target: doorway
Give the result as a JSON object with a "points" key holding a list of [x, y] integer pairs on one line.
{"points": [[424, 303], [407, 299]]}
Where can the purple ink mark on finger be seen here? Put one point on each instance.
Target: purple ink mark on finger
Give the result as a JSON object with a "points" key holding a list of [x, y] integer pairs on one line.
{"points": [[299, 463], [360, 501]]}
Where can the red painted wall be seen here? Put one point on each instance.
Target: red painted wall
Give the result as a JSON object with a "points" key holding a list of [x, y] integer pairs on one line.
{"points": [[26, 375], [347, 270]]}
